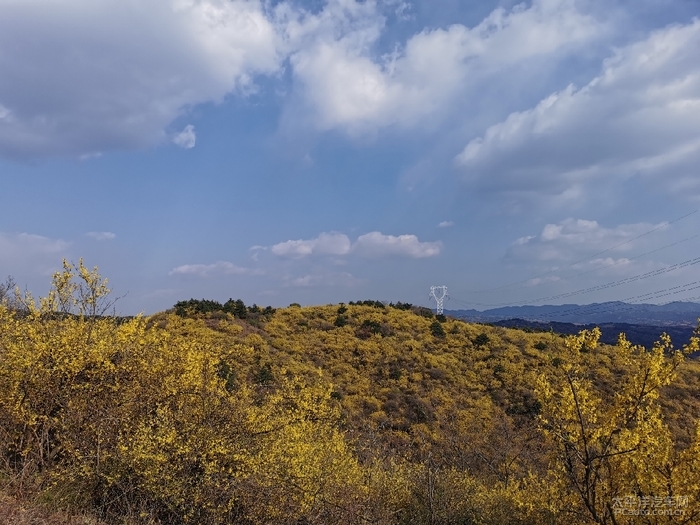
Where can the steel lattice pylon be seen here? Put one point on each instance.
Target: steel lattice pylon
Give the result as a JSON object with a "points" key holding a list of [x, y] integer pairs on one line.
{"points": [[439, 293]]}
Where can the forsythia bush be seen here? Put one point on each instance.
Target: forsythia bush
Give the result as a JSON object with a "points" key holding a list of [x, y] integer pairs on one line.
{"points": [[135, 419], [212, 420]]}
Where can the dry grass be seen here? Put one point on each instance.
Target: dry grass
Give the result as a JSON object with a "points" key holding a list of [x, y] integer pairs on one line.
{"points": [[15, 512]]}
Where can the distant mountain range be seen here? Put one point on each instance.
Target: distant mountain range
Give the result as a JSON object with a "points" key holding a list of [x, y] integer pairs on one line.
{"points": [[671, 314], [641, 323], [638, 334]]}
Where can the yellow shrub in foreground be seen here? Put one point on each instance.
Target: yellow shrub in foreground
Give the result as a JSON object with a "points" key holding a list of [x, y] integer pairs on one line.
{"points": [[213, 421], [128, 417]]}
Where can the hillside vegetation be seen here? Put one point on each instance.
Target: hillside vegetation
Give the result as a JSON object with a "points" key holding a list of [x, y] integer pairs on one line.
{"points": [[358, 413]]}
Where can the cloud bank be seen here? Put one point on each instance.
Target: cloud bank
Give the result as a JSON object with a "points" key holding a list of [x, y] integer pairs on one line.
{"points": [[346, 87], [376, 244], [81, 76], [639, 117], [325, 244], [370, 245], [573, 238]]}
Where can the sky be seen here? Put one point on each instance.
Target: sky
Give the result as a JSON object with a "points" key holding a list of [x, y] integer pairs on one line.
{"points": [[323, 151]]}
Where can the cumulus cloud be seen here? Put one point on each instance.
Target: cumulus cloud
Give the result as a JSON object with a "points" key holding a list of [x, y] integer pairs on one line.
{"points": [[346, 87], [115, 75], [217, 268], [641, 115], [573, 238], [187, 138], [376, 244], [325, 244], [102, 236], [373, 244], [446, 224], [80, 77]]}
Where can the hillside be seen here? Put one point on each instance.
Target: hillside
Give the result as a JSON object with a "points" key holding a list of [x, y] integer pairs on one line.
{"points": [[358, 413]]}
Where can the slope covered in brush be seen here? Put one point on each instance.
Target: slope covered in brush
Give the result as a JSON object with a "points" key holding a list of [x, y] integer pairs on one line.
{"points": [[336, 414]]}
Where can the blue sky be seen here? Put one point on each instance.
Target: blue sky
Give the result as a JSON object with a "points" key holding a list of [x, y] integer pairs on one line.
{"points": [[326, 151]]}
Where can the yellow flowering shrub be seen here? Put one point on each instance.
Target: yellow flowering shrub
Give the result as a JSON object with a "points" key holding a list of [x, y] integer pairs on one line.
{"points": [[298, 418], [129, 415]]}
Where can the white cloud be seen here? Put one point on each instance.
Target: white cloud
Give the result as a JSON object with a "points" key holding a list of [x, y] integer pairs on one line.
{"points": [[316, 280], [641, 115], [14, 244], [542, 280], [256, 252], [218, 268], [80, 76], [332, 243], [446, 224], [376, 244], [187, 138], [346, 87], [401, 9], [611, 265], [101, 236], [573, 238], [22, 253], [115, 75], [373, 244]]}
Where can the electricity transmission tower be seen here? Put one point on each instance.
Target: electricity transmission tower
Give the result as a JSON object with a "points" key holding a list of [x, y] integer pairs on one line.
{"points": [[439, 293]]}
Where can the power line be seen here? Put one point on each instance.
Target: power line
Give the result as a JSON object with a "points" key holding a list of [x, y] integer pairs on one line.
{"points": [[613, 284], [661, 226], [621, 261], [621, 282], [628, 259], [605, 307]]}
